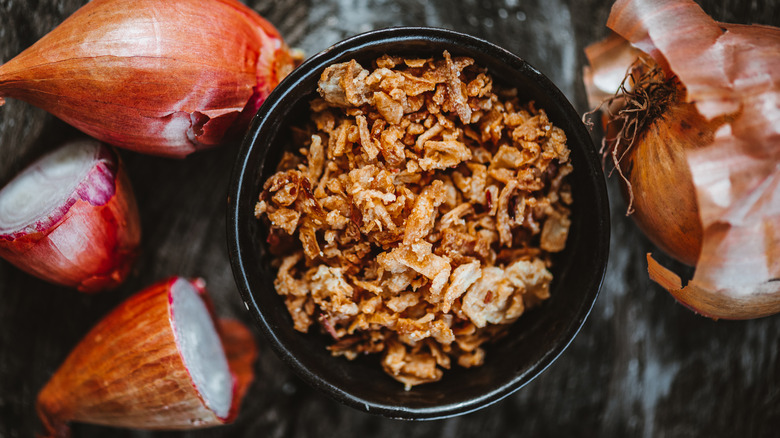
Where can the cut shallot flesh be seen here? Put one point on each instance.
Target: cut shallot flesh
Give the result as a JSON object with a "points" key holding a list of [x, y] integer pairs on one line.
{"points": [[71, 218], [201, 348]]}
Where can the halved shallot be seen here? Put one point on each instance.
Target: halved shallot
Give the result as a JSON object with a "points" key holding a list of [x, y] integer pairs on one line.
{"points": [[159, 77], [159, 361], [71, 218]]}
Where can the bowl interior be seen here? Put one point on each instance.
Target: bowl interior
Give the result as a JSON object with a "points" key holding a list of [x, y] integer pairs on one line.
{"points": [[533, 342]]}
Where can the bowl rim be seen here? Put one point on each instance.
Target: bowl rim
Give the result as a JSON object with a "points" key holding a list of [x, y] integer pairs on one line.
{"points": [[238, 189]]}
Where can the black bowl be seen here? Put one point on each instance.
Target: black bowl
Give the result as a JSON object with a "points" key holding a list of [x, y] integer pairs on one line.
{"points": [[533, 342]]}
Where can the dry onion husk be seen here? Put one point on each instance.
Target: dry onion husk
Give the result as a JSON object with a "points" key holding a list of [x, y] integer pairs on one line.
{"points": [[730, 77]]}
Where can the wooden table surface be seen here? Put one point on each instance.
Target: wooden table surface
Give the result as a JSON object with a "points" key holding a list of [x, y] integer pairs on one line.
{"points": [[641, 366]]}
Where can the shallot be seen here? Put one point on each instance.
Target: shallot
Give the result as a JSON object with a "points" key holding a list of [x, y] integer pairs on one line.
{"points": [[71, 218], [695, 132], [159, 361], [159, 77]]}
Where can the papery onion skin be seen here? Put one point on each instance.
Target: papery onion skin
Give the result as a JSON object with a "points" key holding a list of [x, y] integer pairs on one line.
{"points": [[716, 304], [609, 60], [158, 77], [730, 73], [128, 371], [88, 243]]}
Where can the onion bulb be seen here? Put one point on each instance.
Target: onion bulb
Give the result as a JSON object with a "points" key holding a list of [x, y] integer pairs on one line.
{"points": [[71, 218], [158, 361], [694, 131], [158, 77], [650, 127]]}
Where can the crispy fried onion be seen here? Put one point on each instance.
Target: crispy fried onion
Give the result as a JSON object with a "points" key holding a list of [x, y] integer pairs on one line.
{"points": [[418, 219]]}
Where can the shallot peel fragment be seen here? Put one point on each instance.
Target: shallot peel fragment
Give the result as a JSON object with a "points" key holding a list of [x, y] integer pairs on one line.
{"points": [[71, 218], [701, 165], [159, 361], [158, 77]]}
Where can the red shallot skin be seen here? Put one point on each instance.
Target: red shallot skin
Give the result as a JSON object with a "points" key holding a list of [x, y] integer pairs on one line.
{"points": [[158, 77], [91, 242], [241, 351], [128, 371]]}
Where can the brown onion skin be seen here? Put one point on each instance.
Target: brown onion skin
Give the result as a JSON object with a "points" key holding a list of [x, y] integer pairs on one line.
{"points": [[100, 263], [665, 206], [729, 72], [715, 304], [128, 371]]}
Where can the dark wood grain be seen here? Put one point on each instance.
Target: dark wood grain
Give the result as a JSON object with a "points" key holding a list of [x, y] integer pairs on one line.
{"points": [[642, 365]]}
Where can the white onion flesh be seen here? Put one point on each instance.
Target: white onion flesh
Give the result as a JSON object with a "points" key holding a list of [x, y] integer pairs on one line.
{"points": [[201, 348], [70, 218], [39, 191]]}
